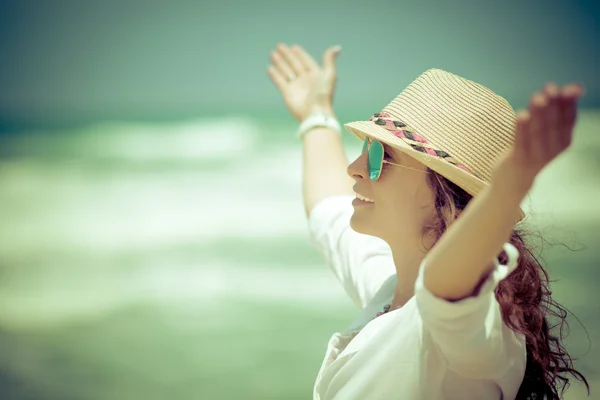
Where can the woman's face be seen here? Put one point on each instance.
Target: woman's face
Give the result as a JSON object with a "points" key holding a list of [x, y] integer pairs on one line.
{"points": [[401, 199]]}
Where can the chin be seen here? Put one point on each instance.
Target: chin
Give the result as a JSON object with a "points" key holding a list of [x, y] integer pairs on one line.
{"points": [[361, 225]]}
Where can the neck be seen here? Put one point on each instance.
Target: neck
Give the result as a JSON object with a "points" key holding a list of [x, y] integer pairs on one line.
{"points": [[407, 260]]}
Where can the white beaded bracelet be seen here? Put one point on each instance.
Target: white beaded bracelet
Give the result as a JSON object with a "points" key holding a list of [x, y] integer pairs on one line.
{"points": [[318, 120]]}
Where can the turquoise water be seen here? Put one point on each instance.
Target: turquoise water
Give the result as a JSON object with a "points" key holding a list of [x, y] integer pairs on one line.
{"points": [[152, 261]]}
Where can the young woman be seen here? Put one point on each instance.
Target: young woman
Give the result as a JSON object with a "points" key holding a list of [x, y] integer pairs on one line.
{"points": [[423, 232]]}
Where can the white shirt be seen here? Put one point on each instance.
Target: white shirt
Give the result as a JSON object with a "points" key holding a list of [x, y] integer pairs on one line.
{"points": [[428, 349]]}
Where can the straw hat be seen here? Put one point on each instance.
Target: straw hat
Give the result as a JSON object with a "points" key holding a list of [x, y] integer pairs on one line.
{"points": [[454, 126]]}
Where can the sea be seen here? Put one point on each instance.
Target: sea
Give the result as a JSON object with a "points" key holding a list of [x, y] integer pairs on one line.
{"points": [[154, 260]]}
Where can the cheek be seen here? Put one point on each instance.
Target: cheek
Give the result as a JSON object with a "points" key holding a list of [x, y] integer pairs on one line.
{"points": [[397, 204], [411, 202], [400, 209]]}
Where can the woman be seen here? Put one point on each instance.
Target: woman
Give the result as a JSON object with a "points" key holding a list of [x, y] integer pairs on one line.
{"points": [[454, 304]]}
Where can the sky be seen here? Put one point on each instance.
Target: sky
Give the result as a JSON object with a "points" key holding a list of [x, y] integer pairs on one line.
{"points": [[69, 62]]}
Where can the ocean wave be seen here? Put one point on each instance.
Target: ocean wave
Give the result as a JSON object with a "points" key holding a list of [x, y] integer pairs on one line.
{"points": [[202, 139]]}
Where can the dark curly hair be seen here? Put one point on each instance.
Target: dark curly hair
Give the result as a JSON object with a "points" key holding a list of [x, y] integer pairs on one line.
{"points": [[525, 300]]}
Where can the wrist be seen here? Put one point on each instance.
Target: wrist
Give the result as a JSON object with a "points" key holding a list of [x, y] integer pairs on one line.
{"points": [[318, 120], [513, 180], [327, 110]]}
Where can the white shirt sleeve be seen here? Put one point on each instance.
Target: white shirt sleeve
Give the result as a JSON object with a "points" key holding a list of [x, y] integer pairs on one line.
{"points": [[361, 262], [470, 333]]}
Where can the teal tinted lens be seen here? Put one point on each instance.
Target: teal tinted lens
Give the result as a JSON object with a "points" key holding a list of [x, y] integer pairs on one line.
{"points": [[365, 145], [375, 159]]}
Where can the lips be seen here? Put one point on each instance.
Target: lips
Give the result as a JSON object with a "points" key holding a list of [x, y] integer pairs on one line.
{"points": [[363, 198]]}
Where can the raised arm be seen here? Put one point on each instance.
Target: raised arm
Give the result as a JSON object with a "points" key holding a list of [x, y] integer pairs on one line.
{"points": [[307, 88], [464, 254], [360, 262]]}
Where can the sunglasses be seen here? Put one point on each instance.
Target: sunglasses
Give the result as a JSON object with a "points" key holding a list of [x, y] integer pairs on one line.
{"points": [[375, 159]]}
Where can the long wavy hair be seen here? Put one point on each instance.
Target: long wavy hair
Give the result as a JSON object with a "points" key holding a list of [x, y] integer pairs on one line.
{"points": [[525, 301]]}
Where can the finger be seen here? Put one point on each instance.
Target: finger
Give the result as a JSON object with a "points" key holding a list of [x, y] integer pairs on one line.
{"points": [[329, 58], [277, 78], [568, 109], [522, 143], [539, 143], [573, 90], [281, 65], [553, 134], [290, 57], [569, 96], [551, 91], [305, 59]]}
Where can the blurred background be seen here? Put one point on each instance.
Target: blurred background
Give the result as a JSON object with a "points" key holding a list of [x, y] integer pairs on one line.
{"points": [[152, 237]]}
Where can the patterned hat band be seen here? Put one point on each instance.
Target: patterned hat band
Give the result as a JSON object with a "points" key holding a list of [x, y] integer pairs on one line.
{"points": [[413, 139]]}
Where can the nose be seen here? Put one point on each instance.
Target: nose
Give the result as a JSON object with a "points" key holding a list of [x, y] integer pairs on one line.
{"points": [[358, 169]]}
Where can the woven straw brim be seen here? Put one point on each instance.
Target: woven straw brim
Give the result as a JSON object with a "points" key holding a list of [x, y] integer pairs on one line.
{"points": [[470, 183]]}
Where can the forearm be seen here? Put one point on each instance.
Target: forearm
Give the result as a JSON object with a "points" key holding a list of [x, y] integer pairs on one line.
{"points": [[464, 253], [324, 167]]}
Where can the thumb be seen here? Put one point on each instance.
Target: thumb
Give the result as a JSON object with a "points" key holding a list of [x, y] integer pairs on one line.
{"points": [[329, 57]]}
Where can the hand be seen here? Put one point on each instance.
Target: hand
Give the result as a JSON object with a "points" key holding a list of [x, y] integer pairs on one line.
{"points": [[542, 133], [305, 86]]}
